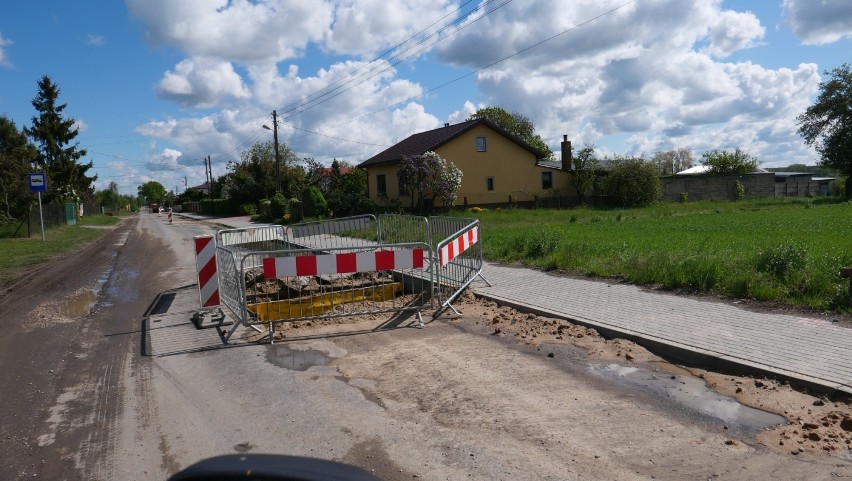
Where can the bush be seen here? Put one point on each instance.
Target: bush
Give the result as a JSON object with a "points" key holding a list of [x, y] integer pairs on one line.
{"points": [[313, 203], [684, 197], [248, 209], [739, 190], [633, 181], [278, 206]]}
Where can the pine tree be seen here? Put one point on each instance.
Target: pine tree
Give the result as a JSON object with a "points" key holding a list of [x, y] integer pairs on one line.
{"points": [[59, 154]]}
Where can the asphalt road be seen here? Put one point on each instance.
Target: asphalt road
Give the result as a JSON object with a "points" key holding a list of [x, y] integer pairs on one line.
{"points": [[129, 390]]}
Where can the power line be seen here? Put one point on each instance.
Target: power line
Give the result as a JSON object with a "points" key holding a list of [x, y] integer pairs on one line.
{"points": [[519, 52], [369, 75]]}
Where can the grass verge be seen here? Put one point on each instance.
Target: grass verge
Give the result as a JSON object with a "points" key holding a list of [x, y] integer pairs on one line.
{"points": [[17, 255], [782, 250]]}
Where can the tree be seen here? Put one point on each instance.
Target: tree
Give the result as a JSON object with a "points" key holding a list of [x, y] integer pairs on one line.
{"points": [[59, 155], [583, 175], [252, 178], [827, 124], [16, 157], [429, 176], [516, 124], [723, 162], [151, 192], [673, 161], [633, 181], [109, 197], [345, 189]]}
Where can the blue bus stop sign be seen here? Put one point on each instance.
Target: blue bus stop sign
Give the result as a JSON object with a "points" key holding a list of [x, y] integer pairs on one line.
{"points": [[38, 183]]}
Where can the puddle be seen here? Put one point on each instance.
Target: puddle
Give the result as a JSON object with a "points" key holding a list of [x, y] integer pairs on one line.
{"points": [[282, 356], [691, 392], [79, 305]]}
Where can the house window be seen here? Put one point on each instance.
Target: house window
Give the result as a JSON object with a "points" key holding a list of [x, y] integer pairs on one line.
{"points": [[381, 186], [480, 144], [546, 180], [489, 183]]}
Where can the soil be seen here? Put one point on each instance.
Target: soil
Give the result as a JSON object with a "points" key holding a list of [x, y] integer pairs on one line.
{"points": [[818, 427]]}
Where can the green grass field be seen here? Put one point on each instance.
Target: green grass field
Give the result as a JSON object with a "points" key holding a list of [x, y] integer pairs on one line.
{"points": [[16, 255], [784, 250]]}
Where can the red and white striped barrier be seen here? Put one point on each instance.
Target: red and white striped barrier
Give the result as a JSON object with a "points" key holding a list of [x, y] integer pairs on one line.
{"points": [[461, 243], [327, 264], [205, 265]]}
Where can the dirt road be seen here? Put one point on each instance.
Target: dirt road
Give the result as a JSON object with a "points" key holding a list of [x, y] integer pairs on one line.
{"points": [[99, 393]]}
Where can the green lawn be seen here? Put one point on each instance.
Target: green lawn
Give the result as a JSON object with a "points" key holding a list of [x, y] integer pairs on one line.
{"points": [[16, 255], [785, 250]]}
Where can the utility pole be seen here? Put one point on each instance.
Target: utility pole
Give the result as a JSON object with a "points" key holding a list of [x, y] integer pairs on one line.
{"points": [[210, 166], [206, 176], [274, 130]]}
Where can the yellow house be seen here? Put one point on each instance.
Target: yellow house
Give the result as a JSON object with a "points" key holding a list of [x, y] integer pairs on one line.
{"points": [[497, 167]]}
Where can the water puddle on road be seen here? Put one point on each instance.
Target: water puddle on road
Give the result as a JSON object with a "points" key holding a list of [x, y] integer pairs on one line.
{"points": [[293, 359], [79, 305], [682, 387]]}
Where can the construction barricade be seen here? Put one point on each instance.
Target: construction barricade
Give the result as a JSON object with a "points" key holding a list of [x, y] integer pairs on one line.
{"points": [[457, 252], [345, 267]]}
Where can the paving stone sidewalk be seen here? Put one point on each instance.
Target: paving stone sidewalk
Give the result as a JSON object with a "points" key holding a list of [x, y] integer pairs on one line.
{"points": [[810, 351]]}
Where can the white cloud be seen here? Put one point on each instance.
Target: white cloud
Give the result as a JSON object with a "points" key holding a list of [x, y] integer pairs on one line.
{"points": [[202, 82], [733, 31], [4, 57], [352, 123], [648, 72], [366, 26], [165, 160], [80, 126], [96, 40], [819, 22], [236, 30]]}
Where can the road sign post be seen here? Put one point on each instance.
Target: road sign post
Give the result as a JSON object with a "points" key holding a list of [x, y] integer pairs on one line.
{"points": [[38, 183]]}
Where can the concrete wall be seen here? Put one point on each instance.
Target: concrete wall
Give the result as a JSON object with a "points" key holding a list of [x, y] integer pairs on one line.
{"points": [[718, 187]]}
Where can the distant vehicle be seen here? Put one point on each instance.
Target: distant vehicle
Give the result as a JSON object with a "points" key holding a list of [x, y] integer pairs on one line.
{"points": [[155, 208]]}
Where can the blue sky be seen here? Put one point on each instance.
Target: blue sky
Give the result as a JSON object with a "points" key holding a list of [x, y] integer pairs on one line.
{"points": [[156, 85]]}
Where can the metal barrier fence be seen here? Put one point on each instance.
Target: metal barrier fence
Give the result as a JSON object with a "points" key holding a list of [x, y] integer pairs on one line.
{"points": [[348, 232], [345, 267], [458, 258], [302, 285]]}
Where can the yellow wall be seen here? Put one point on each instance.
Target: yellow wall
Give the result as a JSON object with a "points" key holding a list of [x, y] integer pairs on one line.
{"points": [[512, 167]]}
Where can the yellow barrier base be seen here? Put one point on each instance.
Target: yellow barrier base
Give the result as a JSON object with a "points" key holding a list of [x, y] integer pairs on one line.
{"points": [[319, 305]]}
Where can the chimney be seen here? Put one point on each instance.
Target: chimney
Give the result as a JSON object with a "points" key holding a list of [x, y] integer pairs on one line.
{"points": [[567, 156], [447, 124]]}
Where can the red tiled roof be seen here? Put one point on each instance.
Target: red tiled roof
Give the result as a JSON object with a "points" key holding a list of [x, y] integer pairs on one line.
{"points": [[432, 139]]}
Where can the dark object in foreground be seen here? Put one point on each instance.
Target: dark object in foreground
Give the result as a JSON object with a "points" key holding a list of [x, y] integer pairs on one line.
{"points": [[270, 467]]}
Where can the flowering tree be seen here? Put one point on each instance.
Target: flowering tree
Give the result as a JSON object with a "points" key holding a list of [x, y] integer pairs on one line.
{"points": [[429, 176]]}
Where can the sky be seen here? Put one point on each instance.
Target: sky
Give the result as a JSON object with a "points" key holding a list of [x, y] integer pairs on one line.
{"points": [[158, 85]]}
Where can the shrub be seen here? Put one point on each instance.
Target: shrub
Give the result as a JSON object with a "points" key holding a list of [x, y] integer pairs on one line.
{"points": [[278, 205], [633, 181], [684, 197], [248, 209], [313, 203], [739, 190]]}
